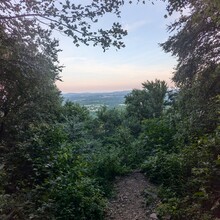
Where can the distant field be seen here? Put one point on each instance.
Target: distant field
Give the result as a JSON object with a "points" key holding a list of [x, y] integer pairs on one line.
{"points": [[93, 101]]}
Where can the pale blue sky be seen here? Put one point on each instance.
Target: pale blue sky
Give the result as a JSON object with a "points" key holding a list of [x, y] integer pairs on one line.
{"points": [[89, 69]]}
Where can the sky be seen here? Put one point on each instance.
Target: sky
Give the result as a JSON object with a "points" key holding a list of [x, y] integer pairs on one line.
{"points": [[89, 69]]}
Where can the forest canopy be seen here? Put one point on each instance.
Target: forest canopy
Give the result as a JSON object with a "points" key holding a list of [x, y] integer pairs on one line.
{"points": [[58, 162]]}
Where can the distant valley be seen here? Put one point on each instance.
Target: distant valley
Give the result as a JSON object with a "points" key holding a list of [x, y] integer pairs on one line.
{"points": [[93, 101]]}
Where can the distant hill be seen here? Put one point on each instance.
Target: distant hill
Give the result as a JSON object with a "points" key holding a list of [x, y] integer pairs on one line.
{"points": [[95, 100]]}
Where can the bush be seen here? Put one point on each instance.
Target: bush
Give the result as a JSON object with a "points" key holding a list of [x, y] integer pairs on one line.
{"points": [[165, 169], [189, 180], [107, 165], [158, 134]]}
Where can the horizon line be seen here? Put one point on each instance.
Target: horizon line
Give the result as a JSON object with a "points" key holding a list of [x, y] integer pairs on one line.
{"points": [[96, 91]]}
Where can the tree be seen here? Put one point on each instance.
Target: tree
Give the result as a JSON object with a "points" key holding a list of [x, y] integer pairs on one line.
{"points": [[27, 87], [196, 42], [137, 104], [156, 92], [28, 99], [27, 19], [109, 120], [149, 102], [76, 120]]}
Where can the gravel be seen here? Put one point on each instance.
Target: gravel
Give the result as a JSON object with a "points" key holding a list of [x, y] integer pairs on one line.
{"points": [[130, 202]]}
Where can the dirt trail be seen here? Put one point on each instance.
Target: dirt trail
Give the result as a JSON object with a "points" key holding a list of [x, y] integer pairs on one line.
{"points": [[132, 193]]}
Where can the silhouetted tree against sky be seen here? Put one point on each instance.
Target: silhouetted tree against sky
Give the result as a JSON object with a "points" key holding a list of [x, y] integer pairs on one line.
{"points": [[149, 102], [33, 21]]}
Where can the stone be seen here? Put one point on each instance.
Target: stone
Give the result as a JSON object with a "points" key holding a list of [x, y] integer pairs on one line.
{"points": [[153, 216]]}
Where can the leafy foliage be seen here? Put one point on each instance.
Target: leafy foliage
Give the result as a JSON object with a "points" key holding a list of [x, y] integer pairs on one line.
{"points": [[157, 134], [147, 103], [188, 174], [25, 18], [58, 162], [27, 76], [196, 43]]}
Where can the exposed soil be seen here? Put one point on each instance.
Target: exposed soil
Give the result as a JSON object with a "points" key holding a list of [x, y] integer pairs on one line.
{"points": [[135, 199]]}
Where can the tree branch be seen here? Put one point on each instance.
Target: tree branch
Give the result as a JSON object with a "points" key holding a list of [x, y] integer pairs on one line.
{"points": [[18, 16]]}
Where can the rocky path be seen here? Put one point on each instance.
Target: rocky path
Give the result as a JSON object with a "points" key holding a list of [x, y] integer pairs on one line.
{"points": [[135, 199]]}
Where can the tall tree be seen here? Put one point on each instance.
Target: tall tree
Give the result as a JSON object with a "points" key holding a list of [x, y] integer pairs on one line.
{"points": [[196, 44], [28, 98], [27, 87], [156, 91], [149, 102], [137, 104]]}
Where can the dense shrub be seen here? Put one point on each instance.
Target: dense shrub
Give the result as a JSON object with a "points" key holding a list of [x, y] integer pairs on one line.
{"points": [[158, 133], [189, 179], [165, 169], [107, 164]]}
